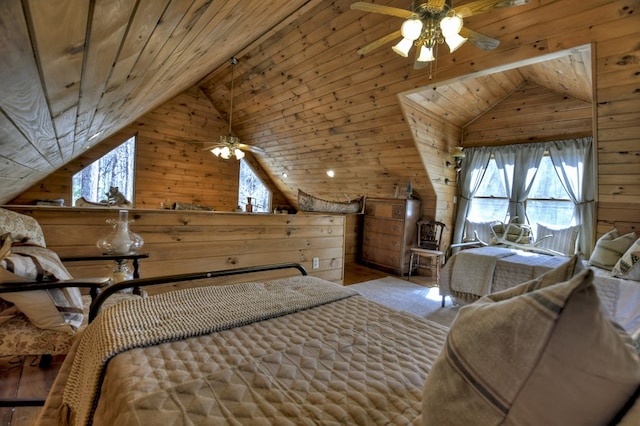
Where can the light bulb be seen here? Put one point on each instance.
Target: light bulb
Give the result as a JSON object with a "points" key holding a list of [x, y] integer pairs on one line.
{"points": [[239, 154], [216, 151]]}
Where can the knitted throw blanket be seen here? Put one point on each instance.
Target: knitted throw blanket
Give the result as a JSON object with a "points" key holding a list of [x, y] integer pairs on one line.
{"points": [[178, 315]]}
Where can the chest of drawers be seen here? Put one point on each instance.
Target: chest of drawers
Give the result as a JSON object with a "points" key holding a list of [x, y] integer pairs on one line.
{"points": [[389, 232]]}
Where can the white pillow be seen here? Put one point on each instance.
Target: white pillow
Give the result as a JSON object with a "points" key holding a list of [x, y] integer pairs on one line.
{"points": [[628, 266], [563, 240], [482, 229], [54, 309], [540, 353], [610, 248]]}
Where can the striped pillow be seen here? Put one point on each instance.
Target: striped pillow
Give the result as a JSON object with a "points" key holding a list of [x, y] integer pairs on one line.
{"points": [[54, 309], [610, 248], [563, 240], [628, 266], [539, 353]]}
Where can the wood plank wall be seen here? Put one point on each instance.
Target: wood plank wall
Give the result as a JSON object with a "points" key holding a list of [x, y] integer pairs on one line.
{"points": [[190, 241], [170, 163], [531, 114], [304, 92]]}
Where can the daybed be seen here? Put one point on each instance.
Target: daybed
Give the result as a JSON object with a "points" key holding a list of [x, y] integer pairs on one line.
{"points": [[302, 350], [473, 273]]}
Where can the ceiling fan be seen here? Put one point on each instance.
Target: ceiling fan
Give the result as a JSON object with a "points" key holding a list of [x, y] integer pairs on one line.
{"points": [[230, 145], [435, 22]]}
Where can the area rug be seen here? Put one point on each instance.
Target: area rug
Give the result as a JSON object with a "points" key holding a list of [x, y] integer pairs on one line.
{"points": [[406, 296]]}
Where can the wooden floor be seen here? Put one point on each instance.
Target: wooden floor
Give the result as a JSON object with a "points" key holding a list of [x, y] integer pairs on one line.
{"points": [[21, 376]]}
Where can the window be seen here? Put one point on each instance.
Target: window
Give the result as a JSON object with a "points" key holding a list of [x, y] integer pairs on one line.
{"points": [[490, 202], [116, 168], [250, 185], [547, 202]]}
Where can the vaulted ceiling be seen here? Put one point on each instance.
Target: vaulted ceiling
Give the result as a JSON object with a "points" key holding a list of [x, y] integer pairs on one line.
{"points": [[74, 72]]}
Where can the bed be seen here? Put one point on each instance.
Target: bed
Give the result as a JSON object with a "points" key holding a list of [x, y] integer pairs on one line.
{"points": [[302, 350], [473, 273]]}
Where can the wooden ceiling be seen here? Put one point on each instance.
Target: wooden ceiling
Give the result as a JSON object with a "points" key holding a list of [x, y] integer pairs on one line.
{"points": [[75, 72]]}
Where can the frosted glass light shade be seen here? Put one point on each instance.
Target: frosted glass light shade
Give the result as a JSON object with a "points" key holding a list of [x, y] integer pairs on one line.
{"points": [[239, 154], [426, 54], [403, 47], [454, 41], [451, 25], [411, 29]]}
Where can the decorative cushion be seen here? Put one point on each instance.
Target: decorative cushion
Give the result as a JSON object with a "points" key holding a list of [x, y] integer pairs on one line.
{"points": [[610, 248], [628, 266], [482, 229], [563, 240], [539, 353], [512, 231], [23, 229], [54, 309]]}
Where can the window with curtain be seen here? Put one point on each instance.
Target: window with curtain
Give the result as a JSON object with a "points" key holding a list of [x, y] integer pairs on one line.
{"points": [[547, 202]]}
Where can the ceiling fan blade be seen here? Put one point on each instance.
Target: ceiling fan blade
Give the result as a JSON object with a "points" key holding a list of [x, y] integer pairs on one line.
{"points": [[251, 148], [480, 41], [380, 42], [210, 147], [481, 6], [386, 10]]}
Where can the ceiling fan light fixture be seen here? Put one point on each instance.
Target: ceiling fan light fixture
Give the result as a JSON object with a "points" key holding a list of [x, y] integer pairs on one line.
{"points": [[239, 154], [403, 47]]}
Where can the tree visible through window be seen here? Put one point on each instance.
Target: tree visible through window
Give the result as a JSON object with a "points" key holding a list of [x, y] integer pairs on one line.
{"points": [[250, 185], [116, 168]]}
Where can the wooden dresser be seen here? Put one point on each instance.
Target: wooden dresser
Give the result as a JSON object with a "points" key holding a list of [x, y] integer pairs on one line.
{"points": [[389, 232]]}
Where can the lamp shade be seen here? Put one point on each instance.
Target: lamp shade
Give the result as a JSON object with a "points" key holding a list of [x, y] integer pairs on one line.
{"points": [[451, 25], [411, 29], [454, 41], [426, 54], [403, 47]]}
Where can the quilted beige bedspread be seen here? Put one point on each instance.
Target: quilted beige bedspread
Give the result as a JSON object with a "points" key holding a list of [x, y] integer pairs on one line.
{"points": [[350, 361]]}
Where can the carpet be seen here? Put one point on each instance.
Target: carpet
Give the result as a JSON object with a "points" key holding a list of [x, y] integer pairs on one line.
{"points": [[406, 296]]}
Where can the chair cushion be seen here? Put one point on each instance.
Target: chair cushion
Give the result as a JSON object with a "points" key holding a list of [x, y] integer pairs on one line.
{"points": [[23, 229], [539, 353], [610, 248], [563, 240], [628, 266], [54, 309]]}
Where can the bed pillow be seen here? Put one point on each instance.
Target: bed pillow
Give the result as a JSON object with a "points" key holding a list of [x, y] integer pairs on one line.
{"points": [[23, 229], [563, 240], [54, 309], [610, 248], [538, 353], [482, 229], [628, 266]]}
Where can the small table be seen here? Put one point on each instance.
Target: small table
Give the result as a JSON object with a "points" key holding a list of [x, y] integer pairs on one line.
{"points": [[118, 258]]}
